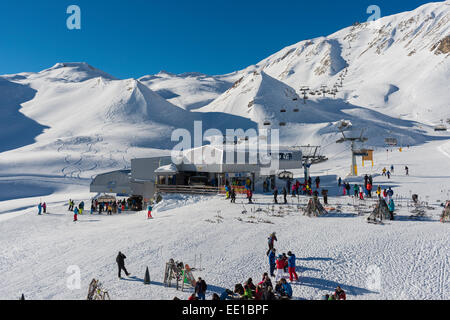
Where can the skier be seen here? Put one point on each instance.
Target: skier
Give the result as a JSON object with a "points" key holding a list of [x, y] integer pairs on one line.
{"points": [[291, 267], [272, 254], [44, 207], [272, 238], [407, 170], [340, 182], [75, 214], [388, 174], [347, 187], [81, 207], [233, 196], [71, 204], [200, 289], [392, 168], [149, 212], [390, 192], [275, 195], [366, 180], [361, 193], [384, 171], [391, 207], [317, 182], [285, 195], [120, 259], [39, 208], [356, 190]]}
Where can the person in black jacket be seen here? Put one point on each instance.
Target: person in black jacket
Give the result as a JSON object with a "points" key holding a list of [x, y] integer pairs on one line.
{"points": [[121, 263], [200, 289]]}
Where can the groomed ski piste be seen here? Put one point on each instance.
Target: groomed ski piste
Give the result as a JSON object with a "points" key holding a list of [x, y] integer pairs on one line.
{"points": [[410, 256]]}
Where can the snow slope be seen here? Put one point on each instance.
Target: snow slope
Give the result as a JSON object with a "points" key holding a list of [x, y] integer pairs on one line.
{"points": [[411, 256], [393, 63], [189, 90]]}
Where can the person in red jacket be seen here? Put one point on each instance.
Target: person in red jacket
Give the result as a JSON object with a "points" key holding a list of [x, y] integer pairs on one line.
{"points": [[339, 294], [281, 264]]}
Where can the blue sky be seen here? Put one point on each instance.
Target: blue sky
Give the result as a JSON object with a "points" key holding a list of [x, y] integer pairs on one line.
{"points": [[138, 37]]}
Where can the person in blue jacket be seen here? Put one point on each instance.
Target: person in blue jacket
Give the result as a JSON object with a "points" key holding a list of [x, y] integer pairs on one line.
{"points": [[39, 208], [391, 207], [287, 287], [272, 256], [291, 267]]}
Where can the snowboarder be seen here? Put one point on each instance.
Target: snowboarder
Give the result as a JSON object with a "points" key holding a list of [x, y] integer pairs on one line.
{"points": [[200, 289], [39, 208], [291, 267], [75, 214], [149, 212], [120, 259]]}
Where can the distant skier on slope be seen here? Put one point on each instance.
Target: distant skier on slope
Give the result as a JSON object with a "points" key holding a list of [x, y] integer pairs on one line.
{"points": [[39, 208], [120, 259]]}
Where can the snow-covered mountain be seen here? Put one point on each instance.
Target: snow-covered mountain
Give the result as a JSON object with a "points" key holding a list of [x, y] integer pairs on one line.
{"points": [[397, 64], [391, 76], [189, 90]]}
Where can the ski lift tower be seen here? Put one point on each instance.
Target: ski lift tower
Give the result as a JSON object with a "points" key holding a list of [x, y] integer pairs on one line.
{"points": [[344, 125], [310, 155], [304, 91]]}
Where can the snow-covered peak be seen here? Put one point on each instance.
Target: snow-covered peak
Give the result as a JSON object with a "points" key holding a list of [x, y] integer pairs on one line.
{"points": [[73, 72]]}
